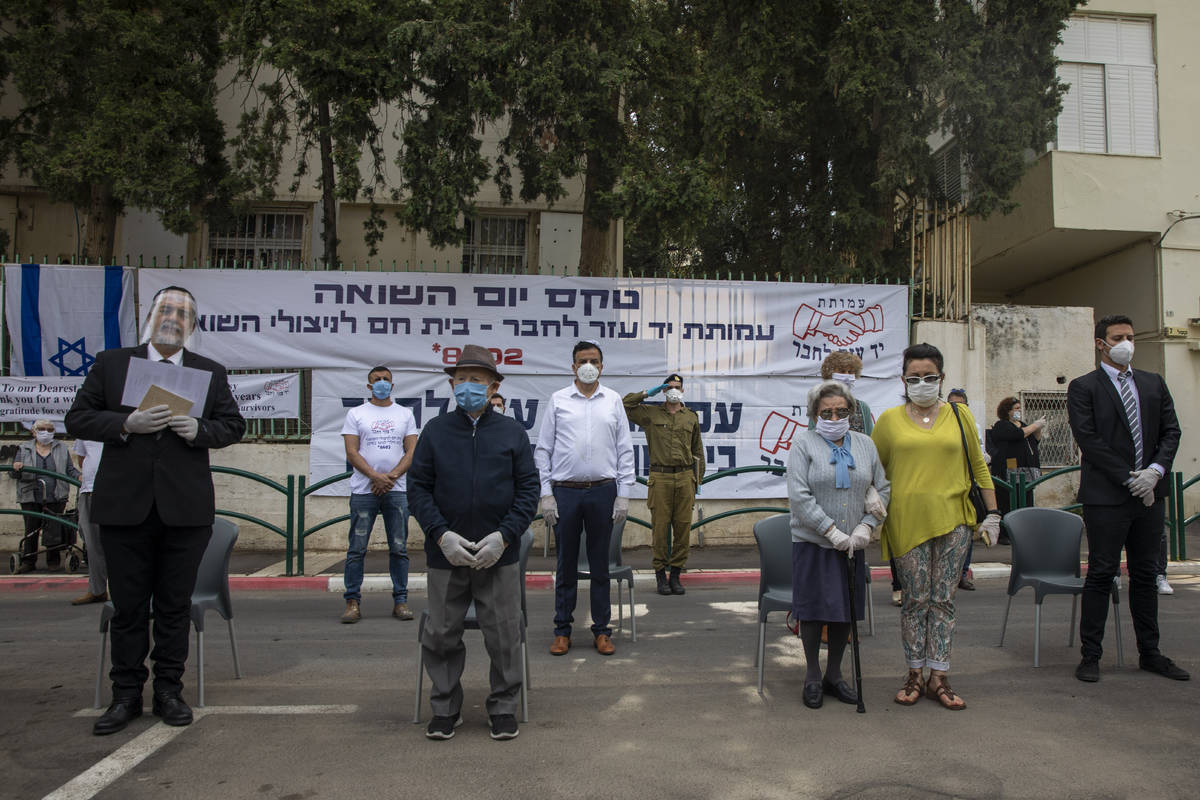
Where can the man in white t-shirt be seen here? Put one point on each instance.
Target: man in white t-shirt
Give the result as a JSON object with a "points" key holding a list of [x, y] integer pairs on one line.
{"points": [[88, 460], [380, 436]]}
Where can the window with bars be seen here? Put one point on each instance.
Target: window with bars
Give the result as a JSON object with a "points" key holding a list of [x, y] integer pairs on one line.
{"points": [[265, 238], [1057, 447], [948, 172], [495, 244], [1111, 103]]}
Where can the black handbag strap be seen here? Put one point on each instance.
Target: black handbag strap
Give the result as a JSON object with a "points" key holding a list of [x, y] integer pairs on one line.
{"points": [[963, 434]]}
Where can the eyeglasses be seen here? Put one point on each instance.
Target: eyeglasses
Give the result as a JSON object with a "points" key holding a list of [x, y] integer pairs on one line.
{"points": [[834, 413], [917, 380]]}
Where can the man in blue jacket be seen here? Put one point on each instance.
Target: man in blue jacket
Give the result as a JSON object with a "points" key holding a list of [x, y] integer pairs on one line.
{"points": [[473, 489]]}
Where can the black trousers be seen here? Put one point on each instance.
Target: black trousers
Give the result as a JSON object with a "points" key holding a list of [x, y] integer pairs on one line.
{"points": [[1138, 530], [29, 546], [151, 563]]}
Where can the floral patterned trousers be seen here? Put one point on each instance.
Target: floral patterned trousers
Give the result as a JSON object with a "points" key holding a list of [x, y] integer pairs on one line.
{"points": [[929, 575]]}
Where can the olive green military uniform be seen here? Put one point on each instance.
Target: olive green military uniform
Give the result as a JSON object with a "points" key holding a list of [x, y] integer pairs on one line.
{"points": [[676, 466]]}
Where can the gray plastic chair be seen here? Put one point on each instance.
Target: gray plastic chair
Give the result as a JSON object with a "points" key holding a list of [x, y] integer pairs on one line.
{"points": [[774, 538], [616, 571], [1045, 556], [472, 623], [211, 592]]}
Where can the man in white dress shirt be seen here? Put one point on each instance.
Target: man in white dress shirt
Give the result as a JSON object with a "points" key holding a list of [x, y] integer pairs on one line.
{"points": [[585, 457]]}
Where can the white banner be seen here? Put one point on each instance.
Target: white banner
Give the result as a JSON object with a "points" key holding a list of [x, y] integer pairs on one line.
{"points": [[24, 400], [59, 317], [421, 321], [743, 421]]}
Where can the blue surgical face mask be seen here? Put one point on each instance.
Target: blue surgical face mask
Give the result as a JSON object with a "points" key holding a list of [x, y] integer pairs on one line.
{"points": [[381, 389], [471, 397]]}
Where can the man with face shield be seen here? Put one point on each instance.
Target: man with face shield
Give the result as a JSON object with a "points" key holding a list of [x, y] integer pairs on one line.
{"points": [[1125, 424], [676, 467], [379, 437], [585, 457], [474, 490], [154, 503]]}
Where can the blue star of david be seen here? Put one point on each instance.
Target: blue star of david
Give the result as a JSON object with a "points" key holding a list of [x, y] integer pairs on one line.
{"points": [[65, 348]]}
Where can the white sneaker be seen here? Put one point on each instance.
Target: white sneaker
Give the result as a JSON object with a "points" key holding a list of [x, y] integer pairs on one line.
{"points": [[897, 597], [1163, 586]]}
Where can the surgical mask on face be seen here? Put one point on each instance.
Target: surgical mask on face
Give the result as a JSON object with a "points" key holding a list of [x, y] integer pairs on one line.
{"points": [[44, 437], [1016, 415], [845, 378], [1122, 353], [832, 429], [381, 389], [924, 394], [471, 397], [674, 395], [588, 373]]}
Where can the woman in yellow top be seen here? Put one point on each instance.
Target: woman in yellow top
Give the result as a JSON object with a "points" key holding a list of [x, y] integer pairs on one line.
{"points": [[930, 517]]}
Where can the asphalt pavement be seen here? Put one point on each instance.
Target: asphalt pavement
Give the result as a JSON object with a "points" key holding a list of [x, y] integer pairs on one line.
{"points": [[324, 709]]}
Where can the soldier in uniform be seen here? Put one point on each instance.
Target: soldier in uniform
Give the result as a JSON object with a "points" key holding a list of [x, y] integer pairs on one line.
{"points": [[676, 467]]}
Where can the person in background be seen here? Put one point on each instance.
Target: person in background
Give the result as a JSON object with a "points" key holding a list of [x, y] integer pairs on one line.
{"points": [[676, 467], [1128, 434], [88, 454], [584, 455], [967, 581], [379, 437], [41, 492], [930, 517], [1016, 442], [497, 401], [830, 471]]}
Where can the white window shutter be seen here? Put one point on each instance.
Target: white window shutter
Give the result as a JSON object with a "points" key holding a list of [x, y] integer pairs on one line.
{"points": [[1136, 40], [1074, 40], [1070, 119], [1103, 40], [1091, 104], [1144, 110], [1120, 116]]}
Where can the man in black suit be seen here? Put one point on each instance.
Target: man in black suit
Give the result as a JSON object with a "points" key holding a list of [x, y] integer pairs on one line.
{"points": [[154, 504], [1124, 422]]}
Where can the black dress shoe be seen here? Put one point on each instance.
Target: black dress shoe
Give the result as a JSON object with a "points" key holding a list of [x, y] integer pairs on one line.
{"points": [[841, 690], [172, 709], [1163, 666], [1088, 670], [118, 715], [813, 696]]}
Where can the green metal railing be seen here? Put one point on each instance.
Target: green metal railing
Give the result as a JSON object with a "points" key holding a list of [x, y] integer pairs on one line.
{"points": [[288, 490], [20, 512], [303, 490]]}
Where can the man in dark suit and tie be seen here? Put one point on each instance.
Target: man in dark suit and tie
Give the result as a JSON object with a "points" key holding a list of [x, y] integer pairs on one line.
{"points": [[1124, 422], [154, 503]]}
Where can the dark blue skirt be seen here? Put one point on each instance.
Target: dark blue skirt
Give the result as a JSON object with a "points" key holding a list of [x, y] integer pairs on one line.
{"points": [[819, 584]]}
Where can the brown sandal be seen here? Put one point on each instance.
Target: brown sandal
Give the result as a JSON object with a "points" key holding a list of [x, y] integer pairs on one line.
{"points": [[914, 684], [943, 694]]}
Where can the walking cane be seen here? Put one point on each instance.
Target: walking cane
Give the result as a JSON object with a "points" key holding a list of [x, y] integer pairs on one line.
{"points": [[862, 709]]}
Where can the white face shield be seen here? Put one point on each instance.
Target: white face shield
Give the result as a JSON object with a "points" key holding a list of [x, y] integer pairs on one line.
{"points": [[171, 322]]}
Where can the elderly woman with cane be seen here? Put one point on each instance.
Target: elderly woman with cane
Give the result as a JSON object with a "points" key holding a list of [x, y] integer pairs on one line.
{"points": [[932, 464], [833, 473]]}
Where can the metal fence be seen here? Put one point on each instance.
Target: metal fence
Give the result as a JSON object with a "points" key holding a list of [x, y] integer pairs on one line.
{"points": [[1057, 447]]}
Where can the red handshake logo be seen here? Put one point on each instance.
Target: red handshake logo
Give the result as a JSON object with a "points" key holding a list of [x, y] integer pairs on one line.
{"points": [[841, 328]]}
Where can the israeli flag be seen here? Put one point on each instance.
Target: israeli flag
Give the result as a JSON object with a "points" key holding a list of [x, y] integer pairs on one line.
{"points": [[60, 317]]}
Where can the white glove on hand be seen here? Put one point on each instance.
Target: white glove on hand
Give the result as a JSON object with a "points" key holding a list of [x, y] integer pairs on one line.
{"points": [[185, 427], [457, 550], [1141, 483], [860, 537], [550, 510], [874, 505], [620, 510], [839, 540], [488, 550], [989, 529], [150, 420]]}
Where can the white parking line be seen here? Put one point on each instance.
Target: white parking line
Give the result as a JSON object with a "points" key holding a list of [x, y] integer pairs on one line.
{"points": [[108, 770]]}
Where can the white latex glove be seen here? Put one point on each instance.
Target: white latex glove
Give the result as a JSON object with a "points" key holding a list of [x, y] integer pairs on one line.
{"points": [[1141, 483], [457, 550], [185, 427], [839, 540], [150, 420], [989, 529], [550, 510], [620, 509], [860, 537], [874, 505], [488, 550]]}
